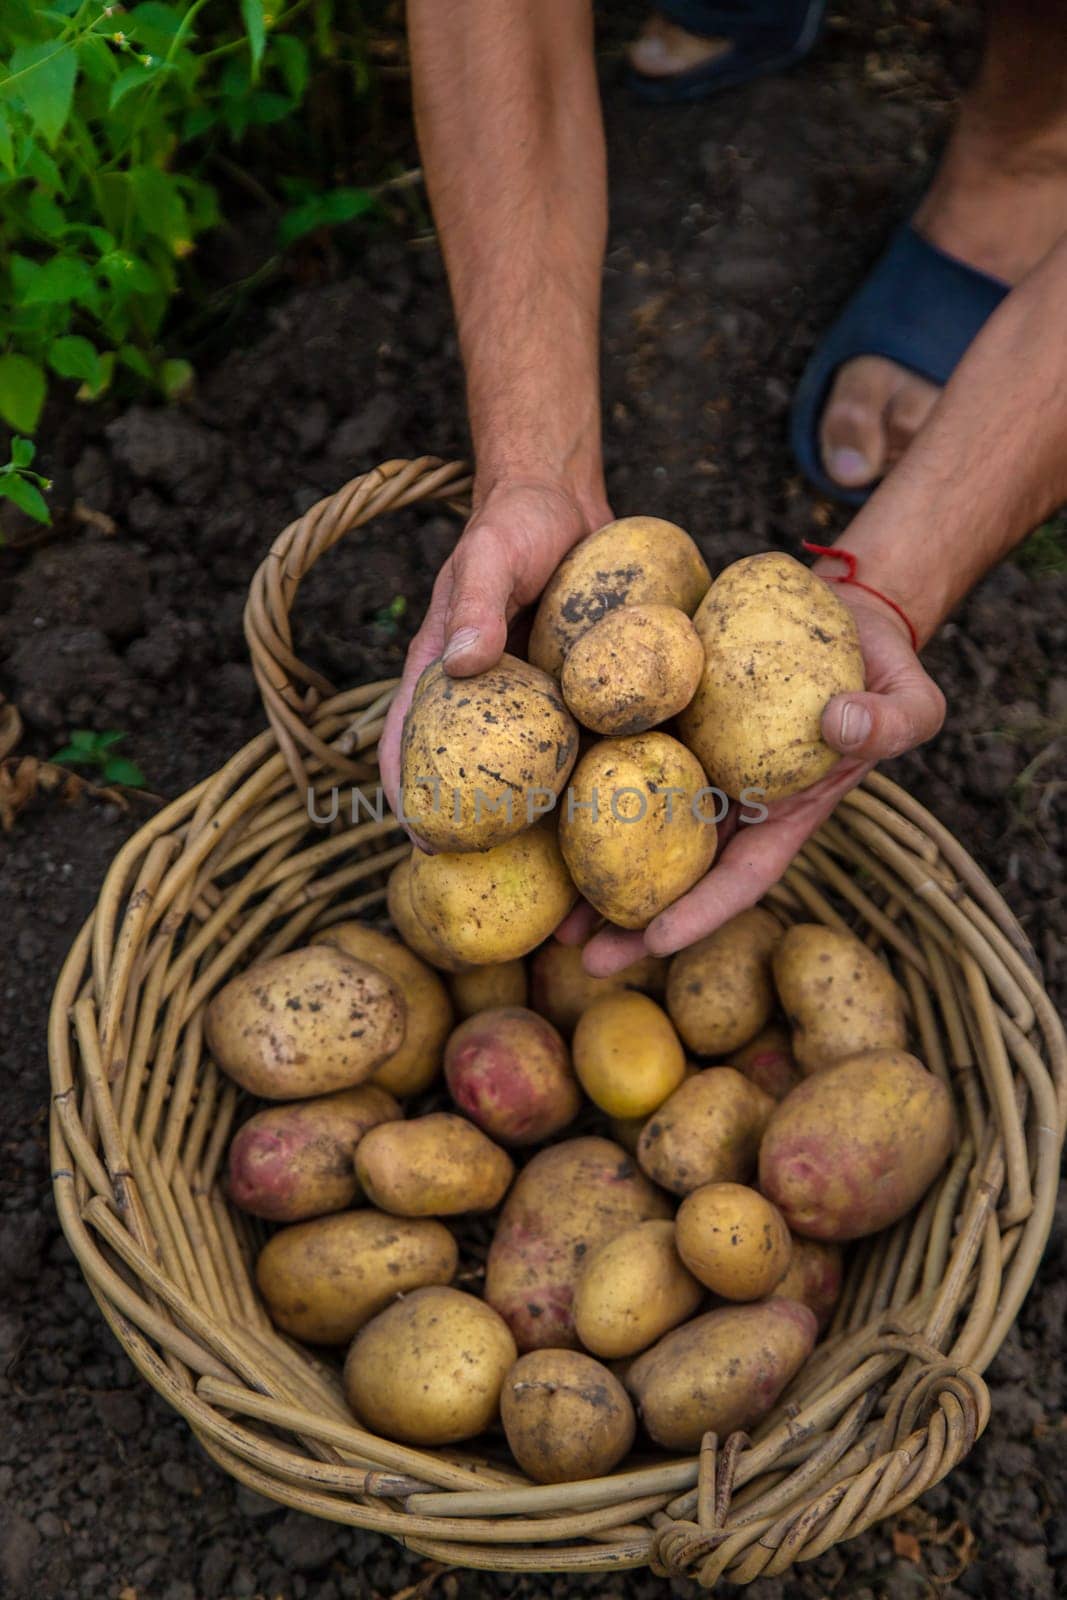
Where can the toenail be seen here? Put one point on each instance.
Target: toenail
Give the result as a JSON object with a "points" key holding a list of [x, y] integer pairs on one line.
{"points": [[848, 466]]}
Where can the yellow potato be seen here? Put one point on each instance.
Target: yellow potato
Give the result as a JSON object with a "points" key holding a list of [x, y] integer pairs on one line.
{"points": [[635, 668], [566, 1418], [778, 645], [719, 990], [494, 905], [435, 1166], [627, 1055], [483, 757], [510, 1072], [429, 1370], [632, 841], [407, 924], [733, 1240], [323, 1280], [304, 1023], [632, 1291], [571, 1198], [487, 988], [561, 989], [708, 1131], [428, 1014], [814, 1277], [838, 997], [768, 1061], [721, 1372], [297, 1161], [635, 561], [853, 1148]]}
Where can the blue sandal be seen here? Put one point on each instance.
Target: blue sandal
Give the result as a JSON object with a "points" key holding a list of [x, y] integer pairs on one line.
{"points": [[920, 308], [766, 36]]}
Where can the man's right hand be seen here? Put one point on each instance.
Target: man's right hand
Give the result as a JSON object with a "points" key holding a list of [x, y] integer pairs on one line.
{"points": [[508, 551]]}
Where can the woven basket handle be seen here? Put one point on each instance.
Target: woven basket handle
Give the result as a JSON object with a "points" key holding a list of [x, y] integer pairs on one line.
{"points": [[292, 691]]}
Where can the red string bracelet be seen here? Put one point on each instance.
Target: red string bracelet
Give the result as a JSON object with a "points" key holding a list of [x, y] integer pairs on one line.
{"points": [[849, 576]]}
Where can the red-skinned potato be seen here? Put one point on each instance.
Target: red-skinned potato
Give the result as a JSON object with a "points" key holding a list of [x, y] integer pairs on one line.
{"points": [[510, 1072], [567, 1201], [296, 1161], [768, 1061], [854, 1147], [815, 1277]]}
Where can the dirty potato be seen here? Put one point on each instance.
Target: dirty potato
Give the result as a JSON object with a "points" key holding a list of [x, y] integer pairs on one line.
{"points": [[838, 997], [708, 1131], [510, 1072], [634, 561], [566, 1418], [815, 1277], [733, 1240], [409, 927], [305, 1023], [638, 829], [778, 645], [561, 989], [439, 1165], [768, 1061], [719, 991], [478, 752], [632, 1291], [634, 669], [502, 983]]}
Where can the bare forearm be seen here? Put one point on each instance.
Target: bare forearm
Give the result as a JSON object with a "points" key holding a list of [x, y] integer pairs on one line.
{"points": [[989, 465], [509, 126]]}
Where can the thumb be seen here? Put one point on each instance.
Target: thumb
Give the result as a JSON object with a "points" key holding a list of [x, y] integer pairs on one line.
{"points": [[476, 623], [874, 727]]}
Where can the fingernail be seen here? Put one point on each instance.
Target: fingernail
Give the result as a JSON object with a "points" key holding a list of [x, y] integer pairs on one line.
{"points": [[459, 642], [855, 725], [848, 466]]}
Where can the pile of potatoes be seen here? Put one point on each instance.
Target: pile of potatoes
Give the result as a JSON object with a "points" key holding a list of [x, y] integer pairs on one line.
{"points": [[581, 1213], [599, 767]]}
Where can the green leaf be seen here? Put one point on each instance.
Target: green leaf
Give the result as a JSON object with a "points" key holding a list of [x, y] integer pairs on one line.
{"points": [[39, 164], [153, 25], [124, 271], [109, 739], [83, 739], [60, 281], [44, 215], [159, 205], [26, 496], [71, 356], [291, 57], [118, 770], [22, 452], [136, 361], [176, 378], [68, 756], [128, 79], [7, 143], [22, 391], [98, 63], [42, 77], [325, 210], [256, 29], [90, 391]]}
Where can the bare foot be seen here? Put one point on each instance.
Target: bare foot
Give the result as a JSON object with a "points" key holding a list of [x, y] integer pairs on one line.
{"points": [[663, 50], [999, 207]]}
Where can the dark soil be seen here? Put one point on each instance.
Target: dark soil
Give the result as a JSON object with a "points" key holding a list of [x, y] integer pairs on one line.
{"points": [[737, 229]]}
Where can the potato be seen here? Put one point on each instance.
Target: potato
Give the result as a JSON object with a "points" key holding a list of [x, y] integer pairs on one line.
{"points": [[305, 1023], [483, 757], [633, 1290], [292, 1162], [494, 905], [634, 561], [721, 1372], [708, 1131], [561, 989], [428, 1013], [408, 926], [778, 645], [565, 1416], [435, 1166], [429, 1370], [635, 668], [838, 997], [567, 1201], [733, 1240], [632, 841], [323, 1280], [719, 990], [768, 1061], [627, 1055], [852, 1149], [814, 1277], [503, 983], [510, 1072]]}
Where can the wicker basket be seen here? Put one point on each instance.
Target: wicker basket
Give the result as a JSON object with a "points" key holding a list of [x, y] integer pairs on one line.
{"points": [[140, 1120]]}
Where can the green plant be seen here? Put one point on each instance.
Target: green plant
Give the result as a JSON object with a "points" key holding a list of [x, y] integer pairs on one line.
{"points": [[108, 119], [88, 749], [388, 617], [21, 485], [1046, 548]]}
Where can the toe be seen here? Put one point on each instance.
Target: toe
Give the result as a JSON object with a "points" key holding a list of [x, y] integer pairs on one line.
{"points": [[663, 50], [852, 437], [908, 408]]}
